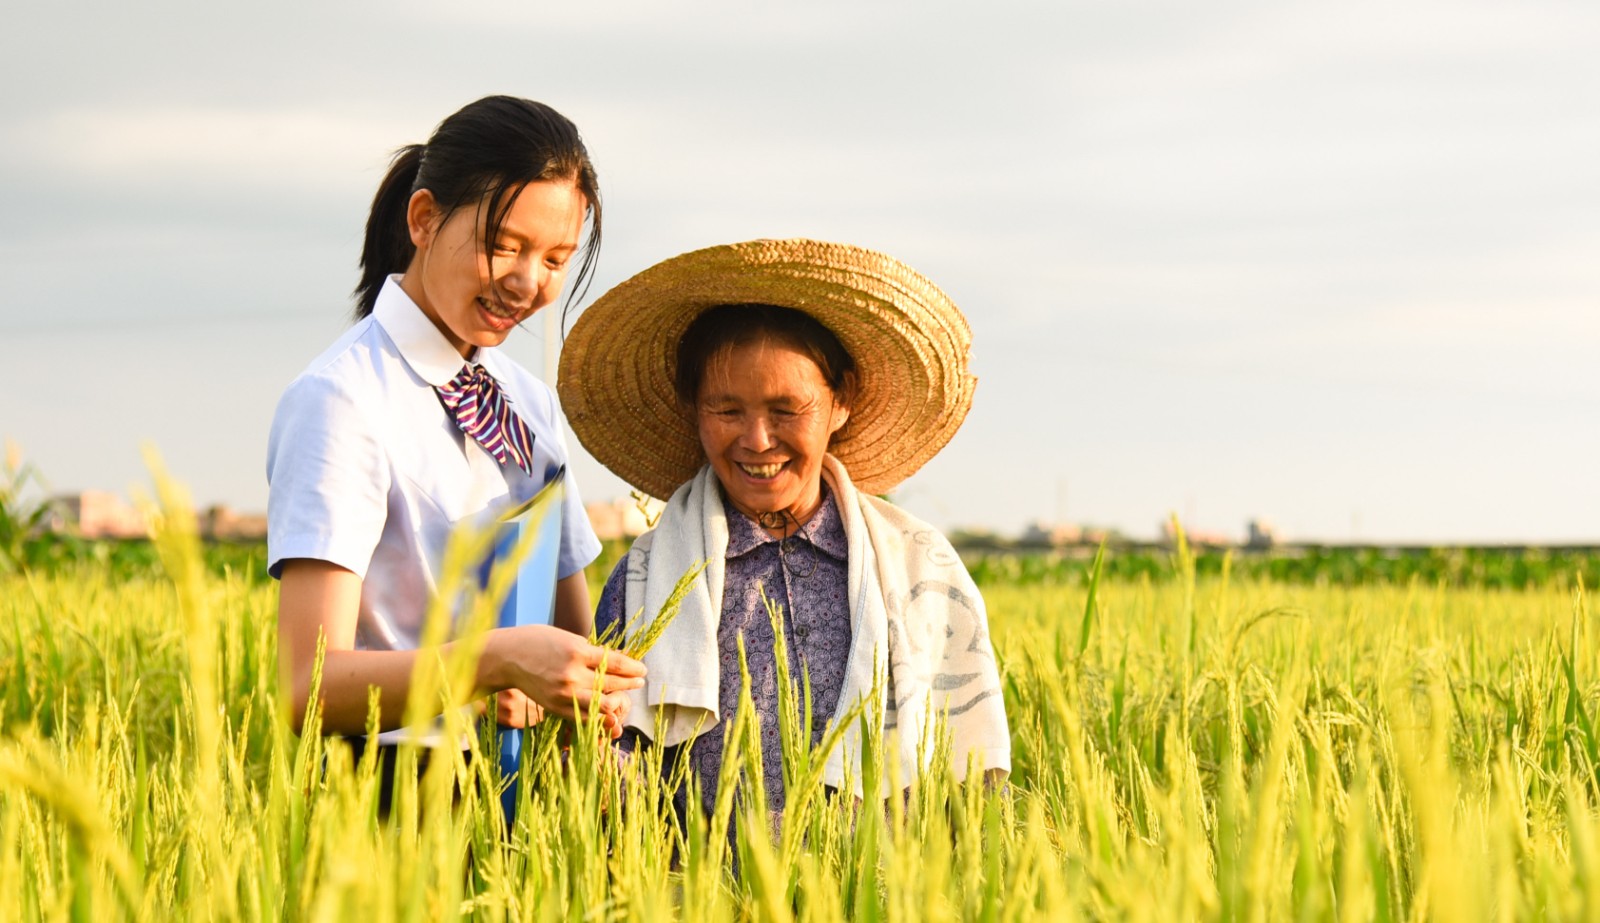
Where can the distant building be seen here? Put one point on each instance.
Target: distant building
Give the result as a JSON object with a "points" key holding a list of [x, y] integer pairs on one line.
{"points": [[619, 518], [1038, 533], [1195, 536], [966, 537], [1094, 535], [98, 514], [222, 523], [1261, 534]]}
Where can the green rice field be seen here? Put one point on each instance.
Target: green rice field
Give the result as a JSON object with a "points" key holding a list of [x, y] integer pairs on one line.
{"points": [[1196, 742]]}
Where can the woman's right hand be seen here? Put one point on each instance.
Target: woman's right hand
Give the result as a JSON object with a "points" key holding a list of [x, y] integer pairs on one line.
{"points": [[562, 672]]}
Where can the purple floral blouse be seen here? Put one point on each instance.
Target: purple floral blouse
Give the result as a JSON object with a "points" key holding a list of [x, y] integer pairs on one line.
{"points": [[807, 574]]}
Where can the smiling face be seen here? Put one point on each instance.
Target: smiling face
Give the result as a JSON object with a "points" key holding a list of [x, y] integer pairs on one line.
{"points": [[765, 416], [476, 301]]}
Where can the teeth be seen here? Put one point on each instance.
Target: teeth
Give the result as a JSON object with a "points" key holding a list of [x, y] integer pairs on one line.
{"points": [[762, 471], [496, 310]]}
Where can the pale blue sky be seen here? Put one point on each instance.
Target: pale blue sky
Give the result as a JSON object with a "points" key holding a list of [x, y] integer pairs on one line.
{"points": [[1334, 263]]}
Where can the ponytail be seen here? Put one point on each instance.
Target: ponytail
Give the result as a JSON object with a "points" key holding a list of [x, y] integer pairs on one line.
{"points": [[387, 248], [480, 155]]}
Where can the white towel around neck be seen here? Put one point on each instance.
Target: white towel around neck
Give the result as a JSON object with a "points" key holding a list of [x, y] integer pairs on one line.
{"points": [[916, 616]]}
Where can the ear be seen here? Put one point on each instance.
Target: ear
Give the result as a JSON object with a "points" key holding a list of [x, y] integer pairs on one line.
{"points": [[842, 399], [840, 416], [422, 217]]}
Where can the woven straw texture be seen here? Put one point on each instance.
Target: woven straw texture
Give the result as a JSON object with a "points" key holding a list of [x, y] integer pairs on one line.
{"points": [[910, 343]]}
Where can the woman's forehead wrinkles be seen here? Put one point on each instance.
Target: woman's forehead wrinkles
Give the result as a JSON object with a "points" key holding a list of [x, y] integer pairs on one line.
{"points": [[769, 369]]}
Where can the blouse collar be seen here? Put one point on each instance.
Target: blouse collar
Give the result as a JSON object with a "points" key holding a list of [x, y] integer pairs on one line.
{"points": [[825, 530], [420, 343]]}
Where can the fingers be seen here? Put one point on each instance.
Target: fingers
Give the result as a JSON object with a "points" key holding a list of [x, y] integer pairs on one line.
{"points": [[616, 704], [615, 663], [584, 684], [563, 673], [614, 709], [610, 684], [607, 703], [513, 709], [507, 703], [619, 672]]}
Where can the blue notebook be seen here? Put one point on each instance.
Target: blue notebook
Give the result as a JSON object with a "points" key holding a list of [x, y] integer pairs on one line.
{"points": [[529, 540]]}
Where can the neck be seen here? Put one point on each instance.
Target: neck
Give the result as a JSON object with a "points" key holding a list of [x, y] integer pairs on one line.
{"points": [[411, 284], [785, 522]]}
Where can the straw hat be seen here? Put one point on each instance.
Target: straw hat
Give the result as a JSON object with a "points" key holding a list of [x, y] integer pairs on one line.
{"points": [[909, 342]]}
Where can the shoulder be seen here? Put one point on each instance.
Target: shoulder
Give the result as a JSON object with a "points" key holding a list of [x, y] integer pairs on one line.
{"points": [[897, 515], [349, 369], [358, 348], [639, 551], [614, 595], [635, 563], [920, 539], [608, 612], [328, 415]]}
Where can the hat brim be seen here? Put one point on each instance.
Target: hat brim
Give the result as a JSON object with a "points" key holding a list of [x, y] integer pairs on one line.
{"points": [[910, 344]]}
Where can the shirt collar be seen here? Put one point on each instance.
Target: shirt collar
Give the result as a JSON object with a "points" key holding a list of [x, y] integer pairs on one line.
{"points": [[420, 343], [825, 530]]}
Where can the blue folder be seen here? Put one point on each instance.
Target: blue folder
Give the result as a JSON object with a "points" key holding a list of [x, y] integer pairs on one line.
{"points": [[534, 527]]}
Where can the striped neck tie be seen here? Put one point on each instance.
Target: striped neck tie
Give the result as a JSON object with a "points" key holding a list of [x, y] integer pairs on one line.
{"points": [[474, 400]]}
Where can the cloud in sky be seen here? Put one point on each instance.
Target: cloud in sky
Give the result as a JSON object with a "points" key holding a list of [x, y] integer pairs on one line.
{"points": [[1327, 262]]}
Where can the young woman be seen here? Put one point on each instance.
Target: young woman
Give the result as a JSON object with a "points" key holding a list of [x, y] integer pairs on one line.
{"points": [[414, 421]]}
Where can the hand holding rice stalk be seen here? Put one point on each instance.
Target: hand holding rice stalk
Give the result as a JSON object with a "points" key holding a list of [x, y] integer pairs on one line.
{"points": [[645, 637], [546, 735]]}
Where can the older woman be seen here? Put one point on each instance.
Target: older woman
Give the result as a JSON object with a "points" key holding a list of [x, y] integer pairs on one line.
{"points": [[770, 389]]}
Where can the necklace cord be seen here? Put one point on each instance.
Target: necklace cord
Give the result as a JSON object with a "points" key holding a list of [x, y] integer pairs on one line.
{"points": [[791, 548]]}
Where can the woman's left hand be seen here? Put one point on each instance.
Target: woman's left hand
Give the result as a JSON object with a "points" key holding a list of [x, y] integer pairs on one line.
{"points": [[513, 709]]}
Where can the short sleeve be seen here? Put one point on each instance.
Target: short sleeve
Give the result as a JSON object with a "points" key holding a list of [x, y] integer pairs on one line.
{"points": [[579, 545], [327, 479]]}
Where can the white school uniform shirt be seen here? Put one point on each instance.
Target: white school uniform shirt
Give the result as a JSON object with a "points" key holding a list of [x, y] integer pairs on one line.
{"points": [[367, 470]]}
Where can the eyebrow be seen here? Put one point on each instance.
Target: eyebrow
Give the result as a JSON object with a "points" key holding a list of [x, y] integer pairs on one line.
{"points": [[781, 400], [506, 230]]}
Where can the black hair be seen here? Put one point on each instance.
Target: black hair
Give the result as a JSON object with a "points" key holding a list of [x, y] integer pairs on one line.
{"points": [[481, 155], [727, 326]]}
